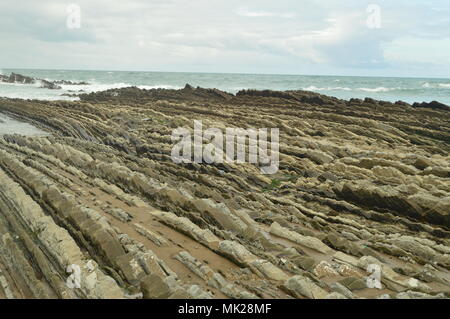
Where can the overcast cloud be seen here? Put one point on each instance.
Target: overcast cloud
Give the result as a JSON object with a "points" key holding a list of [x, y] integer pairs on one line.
{"points": [[253, 36]]}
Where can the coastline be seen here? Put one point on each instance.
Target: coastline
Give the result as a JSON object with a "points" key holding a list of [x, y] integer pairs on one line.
{"points": [[409, 90], [361, 182]]}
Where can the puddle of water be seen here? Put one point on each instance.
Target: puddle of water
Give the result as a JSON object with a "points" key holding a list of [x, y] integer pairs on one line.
{"points": [[11, 126]]}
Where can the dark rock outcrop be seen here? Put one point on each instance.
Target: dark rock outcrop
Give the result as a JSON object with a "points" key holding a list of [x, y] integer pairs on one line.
{"points": [[22, 79], [432, 105]]}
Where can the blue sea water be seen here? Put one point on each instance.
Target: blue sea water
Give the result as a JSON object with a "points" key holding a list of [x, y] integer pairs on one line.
{"points": [[389, 89]]}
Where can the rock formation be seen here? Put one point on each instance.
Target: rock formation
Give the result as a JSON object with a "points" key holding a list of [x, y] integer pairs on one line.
{"points": [[362, 184], [22, 79]]}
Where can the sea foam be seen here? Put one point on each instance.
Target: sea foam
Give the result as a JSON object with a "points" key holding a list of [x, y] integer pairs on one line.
{"points": [[378, 89]]}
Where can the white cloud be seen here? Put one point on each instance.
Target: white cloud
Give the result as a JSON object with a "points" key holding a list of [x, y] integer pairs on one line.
{"points": [[258, 14], [412, 50], [287, 36]]}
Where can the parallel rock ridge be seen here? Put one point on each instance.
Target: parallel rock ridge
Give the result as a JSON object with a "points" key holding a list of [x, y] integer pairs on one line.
{"points": [[98, 209]]}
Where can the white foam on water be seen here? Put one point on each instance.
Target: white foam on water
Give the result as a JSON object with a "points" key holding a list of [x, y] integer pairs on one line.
{"points": [[340, 88], [312, 88], [93, 87], [19, 84], [427, 85], [378, 89], [96, 87], [315, 88], [30, 91], [35, 91]]}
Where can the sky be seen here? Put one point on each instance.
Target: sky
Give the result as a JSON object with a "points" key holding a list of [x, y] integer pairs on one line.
{"points": [[328, 37]]}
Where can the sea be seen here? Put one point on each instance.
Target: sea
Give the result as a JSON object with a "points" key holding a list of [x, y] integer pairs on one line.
{"points": [[345, 87]]}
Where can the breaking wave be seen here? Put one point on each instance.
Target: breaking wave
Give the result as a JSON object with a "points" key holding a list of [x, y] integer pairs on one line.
{"points": [[315, 88], [373, 90], [96, 87], [378, 89], [427, 85]]}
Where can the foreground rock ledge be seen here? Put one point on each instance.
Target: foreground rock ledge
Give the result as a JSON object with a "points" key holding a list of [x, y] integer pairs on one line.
{"points": [[361, 183]]}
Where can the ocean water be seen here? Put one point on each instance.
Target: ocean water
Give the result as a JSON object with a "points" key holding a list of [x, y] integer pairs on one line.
{"points": [[11, 126], [388, 89]]}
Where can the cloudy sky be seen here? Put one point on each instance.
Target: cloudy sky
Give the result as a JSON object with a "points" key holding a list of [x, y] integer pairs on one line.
{"points": [[336, 37]]}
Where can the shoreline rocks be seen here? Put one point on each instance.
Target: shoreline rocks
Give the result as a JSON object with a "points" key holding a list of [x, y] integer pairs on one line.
{"points": [[361, 183], [23, 79]]}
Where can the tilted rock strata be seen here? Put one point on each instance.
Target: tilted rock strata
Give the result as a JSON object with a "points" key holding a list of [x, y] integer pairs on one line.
{"points": [[361, 183]]}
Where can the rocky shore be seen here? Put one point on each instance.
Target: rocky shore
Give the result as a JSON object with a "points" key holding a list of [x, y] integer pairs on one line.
{"points": [[361, 183], [23, 79]]}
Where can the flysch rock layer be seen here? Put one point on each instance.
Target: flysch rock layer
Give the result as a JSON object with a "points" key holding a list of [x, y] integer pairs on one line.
{"points": [[361, 184]]}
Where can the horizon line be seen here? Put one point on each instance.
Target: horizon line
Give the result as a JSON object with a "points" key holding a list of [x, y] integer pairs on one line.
{"points": [[233, 73]]}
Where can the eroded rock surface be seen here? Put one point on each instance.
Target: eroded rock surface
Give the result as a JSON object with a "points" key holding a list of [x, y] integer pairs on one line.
{"points": [[361, 183]]}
